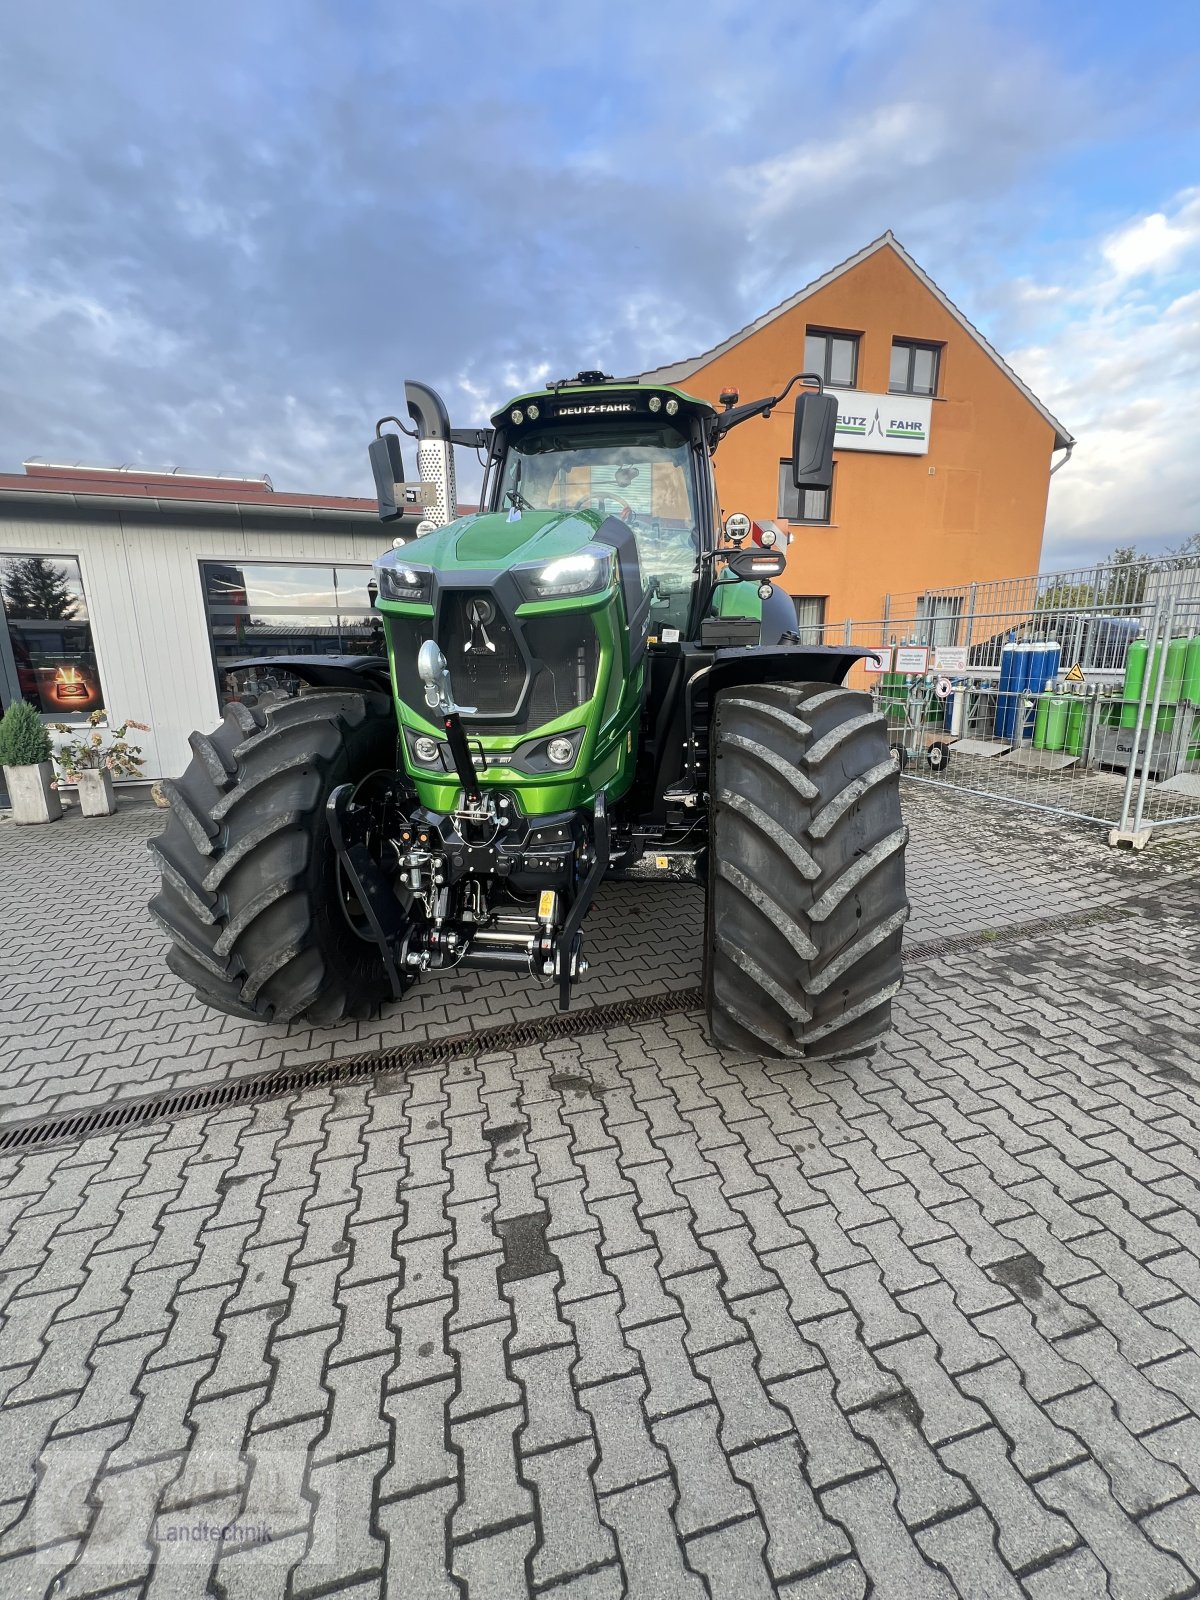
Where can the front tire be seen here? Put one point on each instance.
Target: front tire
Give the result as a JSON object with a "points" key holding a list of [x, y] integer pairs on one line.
{"points": [[250, 892], [806, 899]]}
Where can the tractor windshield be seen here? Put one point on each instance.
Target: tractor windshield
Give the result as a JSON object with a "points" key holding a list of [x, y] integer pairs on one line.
{"points": [[641, 473]]}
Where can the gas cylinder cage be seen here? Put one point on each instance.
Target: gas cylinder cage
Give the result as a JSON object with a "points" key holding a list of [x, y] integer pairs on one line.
{"points": [[1073, 693]]}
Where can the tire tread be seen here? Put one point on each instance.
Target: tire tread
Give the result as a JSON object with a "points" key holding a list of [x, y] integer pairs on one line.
{"points": [[806, 900]]}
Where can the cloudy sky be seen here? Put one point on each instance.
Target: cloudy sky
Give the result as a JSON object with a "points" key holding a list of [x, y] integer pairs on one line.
{"points": [[229, 231]]}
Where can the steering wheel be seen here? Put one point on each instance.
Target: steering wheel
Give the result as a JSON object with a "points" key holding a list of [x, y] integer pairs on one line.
{"points": [[626, 512]]}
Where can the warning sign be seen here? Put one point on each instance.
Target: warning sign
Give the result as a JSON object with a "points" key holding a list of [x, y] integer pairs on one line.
{"points": [[912, 658], [951, 658], [1075, 675], [878, 661]]}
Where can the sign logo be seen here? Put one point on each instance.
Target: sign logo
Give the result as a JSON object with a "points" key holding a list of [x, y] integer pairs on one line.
{"points": [[599, 408], [892, 424]]}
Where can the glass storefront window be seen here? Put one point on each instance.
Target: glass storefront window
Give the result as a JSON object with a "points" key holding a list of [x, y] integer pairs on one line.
{"points": [[50, 633], [278, 608]]}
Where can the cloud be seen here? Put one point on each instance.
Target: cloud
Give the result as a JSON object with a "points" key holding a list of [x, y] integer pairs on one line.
{"points": [[1156, 243], [227, 236], [1117, 358]]}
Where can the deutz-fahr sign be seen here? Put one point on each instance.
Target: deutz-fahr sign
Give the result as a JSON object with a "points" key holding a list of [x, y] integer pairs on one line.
{"points": [[897, 424]]}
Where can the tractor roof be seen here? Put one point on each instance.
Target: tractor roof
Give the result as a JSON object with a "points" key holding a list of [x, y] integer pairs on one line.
{"points": [[594, 389]]}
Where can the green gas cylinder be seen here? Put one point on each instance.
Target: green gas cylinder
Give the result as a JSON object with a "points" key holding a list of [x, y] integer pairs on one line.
{"points": [[1039, 722], [1135, 672], [1191, 691], [893, 693], [1076, 723], [1191, 672], [1056, 722], [1172, 684]]}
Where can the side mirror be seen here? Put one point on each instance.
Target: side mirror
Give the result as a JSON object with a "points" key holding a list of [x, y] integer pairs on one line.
{"points": [[812, 440], [387, 468], [755, 564]]}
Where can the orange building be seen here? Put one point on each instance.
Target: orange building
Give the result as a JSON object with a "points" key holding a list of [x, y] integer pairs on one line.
{"points": [[943, 456]]}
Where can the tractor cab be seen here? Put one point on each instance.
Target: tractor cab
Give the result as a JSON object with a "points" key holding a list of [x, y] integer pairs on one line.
{"points": [[624, 451]]}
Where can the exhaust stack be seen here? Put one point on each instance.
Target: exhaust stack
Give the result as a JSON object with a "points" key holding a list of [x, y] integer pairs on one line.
{"points": [[435, 452]]}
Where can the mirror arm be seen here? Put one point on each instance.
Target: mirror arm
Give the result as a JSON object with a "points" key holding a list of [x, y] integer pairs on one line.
{"points": [[473, 438], [760, 408]]}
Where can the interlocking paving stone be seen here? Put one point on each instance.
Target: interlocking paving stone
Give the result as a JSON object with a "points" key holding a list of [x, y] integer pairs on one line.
{"points": [[623, 1315]]}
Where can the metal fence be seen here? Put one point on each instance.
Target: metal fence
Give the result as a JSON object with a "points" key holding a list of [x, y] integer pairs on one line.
{"points": [[1074, 693]]}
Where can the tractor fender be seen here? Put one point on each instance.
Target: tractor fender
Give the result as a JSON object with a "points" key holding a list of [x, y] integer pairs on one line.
{"points": [[780, 663]]}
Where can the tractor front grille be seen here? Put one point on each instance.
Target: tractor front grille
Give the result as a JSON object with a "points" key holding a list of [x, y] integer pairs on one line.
{"points": [[565, 654], [487, 669], [511, 696]]}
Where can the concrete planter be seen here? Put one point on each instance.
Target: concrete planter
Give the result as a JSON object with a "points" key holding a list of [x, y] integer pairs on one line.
{"points": [[96, 796], [33, 800]]}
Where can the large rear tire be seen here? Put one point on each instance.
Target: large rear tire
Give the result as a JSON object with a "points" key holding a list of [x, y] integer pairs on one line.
{"points": [[806, 899], [251, 894]]}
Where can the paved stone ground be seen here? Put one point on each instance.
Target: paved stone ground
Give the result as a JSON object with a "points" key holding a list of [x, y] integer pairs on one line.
{"points": [[621, 1315], [92, 1013]]}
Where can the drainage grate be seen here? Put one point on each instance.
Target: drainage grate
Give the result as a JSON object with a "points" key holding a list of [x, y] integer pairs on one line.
{"points": [[1012, 933], [36, 1133], [63, 1127]]}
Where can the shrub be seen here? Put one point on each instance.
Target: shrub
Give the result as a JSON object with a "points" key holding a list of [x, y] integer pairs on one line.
{"points": [[24, 742], [86, 751]]}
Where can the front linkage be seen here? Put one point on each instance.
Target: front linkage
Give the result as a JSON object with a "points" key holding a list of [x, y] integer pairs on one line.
{"points": [[427, 882]]}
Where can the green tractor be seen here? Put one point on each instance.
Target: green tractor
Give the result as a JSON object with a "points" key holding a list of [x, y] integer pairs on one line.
{"points": [[590, 679]]}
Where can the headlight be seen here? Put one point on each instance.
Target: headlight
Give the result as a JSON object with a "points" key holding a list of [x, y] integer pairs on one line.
{"points": [[553, 755], [585, 572], [425, 748], [399, 581]]}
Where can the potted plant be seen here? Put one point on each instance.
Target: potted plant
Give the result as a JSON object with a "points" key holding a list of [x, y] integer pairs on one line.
{"points": [[28, 771], [87, 761]]}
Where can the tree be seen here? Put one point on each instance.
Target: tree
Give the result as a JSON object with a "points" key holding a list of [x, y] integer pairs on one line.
{"points": [[1127, 573], [1119, 580], [36, 587]]}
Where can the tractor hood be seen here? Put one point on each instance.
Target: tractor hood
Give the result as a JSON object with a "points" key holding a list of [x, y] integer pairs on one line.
{"points": [[498, 539]]}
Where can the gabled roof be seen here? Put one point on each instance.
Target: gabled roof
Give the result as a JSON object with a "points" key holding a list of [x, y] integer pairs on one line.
{"points": [[682, 370]]}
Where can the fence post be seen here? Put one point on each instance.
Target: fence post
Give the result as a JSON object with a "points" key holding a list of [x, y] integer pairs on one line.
{"points": [[1168, 624], [1151, 636]]}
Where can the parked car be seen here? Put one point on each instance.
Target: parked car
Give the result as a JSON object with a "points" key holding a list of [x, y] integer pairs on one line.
{"points": [[1097, 641]]}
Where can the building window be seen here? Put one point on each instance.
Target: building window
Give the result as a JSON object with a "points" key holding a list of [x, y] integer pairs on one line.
{"points": [[802, 505], [937, 619], [810, 617], [832, 356], [50, 635], [914, 367], [275, 608]]}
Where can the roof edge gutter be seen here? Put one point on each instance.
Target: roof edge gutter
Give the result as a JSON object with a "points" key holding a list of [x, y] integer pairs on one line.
{"points": [[68, 499]]}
